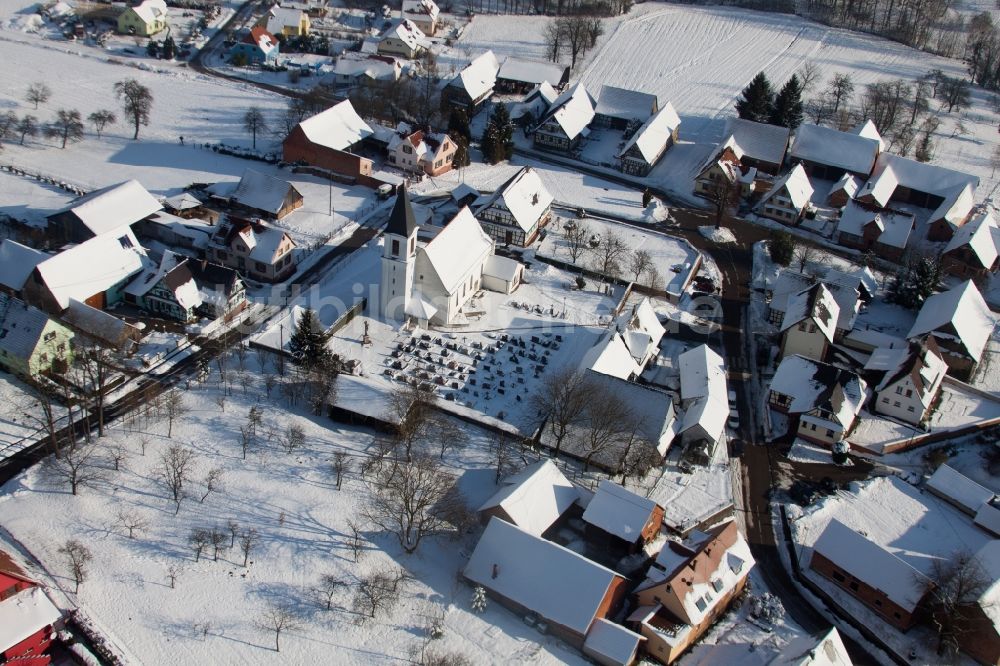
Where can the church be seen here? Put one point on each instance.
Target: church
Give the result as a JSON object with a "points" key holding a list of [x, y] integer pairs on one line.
{"points": [[430, 283]]}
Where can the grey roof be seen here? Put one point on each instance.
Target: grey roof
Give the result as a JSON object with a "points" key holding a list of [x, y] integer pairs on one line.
{"points": [[16, 263], [21, 325], [625, 104], [402, 221], [759, 141]]}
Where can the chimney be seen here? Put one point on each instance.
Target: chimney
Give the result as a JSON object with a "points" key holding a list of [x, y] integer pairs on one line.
{"points": [[496, 570]]}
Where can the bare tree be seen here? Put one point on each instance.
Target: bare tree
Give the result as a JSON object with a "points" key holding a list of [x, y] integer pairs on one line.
{"points": [[809, 75], [78, 556], [576, 236], [118, 454], [101, 119], [137, 102], [954, 587], [378, 591], [132, 520], [96, 364], [606, 423], [213, 479], [38, 93], [173, 573], [247, 439], [554, 39], [217, 537], [248, 541], [278, 618], [199, 539], [66, 126], [175, 470], [639, 262], [724, 194], [255, 123], [805, 254], [417, 421], [341, 465], [77, 466], [839, 91], [411, 500], [43, 409], [173, 405], [638, 461], [355, 541], [609, 253], [294, 439], [579, 33], [26, 126], [234, 530], [562, 401], [328, 586]]}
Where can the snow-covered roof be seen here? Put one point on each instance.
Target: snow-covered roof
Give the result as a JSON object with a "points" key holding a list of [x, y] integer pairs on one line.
{"points": [[797, 186], [261, 38], [988, 517], [535, 497], [708, 413], [703, 373], [339, 127], [266, 242], [850, 184], [758, 141], [262, 192], [650, 408], [479, 76], [654, 133], [824, 650], [174, 274], [281, 17], [362, 395], [625, 104], [980, 235], [353, 64], [182, 201], [894, 226], [816, 303], [150, 10], [612, 643], [619, 511], [92, 266], [407, 32], [535, 72], [920, 357], [989, 559], [450, 252], [959, 314], [641, 330], [99, 324], [956, 487], [868, 130], [524, 196], [892, 171], [16, 263], [502, 268], [536, 102], [111, 207], [843, 150], [572, 111], [24, 613], [21, 327], [559, 585], [871, 564], [813, 384], [426, 7], [611, 356]]}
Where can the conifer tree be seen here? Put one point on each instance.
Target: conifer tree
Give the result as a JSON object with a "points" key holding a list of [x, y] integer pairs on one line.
{"points": [[308, 342], [498, 137], [756, 100], [787, 109]]}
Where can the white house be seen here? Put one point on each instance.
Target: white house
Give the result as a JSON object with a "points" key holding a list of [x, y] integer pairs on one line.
{"points": [[646, 146], [352, 68], [517, 210], [824, 399], [641, 331], [959, 490], [705, 397], [423, 13], [810, 323], [960, 323], [422, 152], [567, 121], [912, 380], [533, 499], [473, 86], [432, 282], [786, 201], [845, 289], [403, 38], [824, 649]]}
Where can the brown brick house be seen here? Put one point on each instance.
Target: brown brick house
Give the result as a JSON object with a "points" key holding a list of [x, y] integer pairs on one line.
{"points": [[329, 140]]}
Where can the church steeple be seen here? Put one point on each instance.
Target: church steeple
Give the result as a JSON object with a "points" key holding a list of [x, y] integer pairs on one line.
{"points": [[402, 221]]}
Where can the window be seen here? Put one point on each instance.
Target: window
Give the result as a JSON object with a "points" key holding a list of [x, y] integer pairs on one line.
{"points": [[853, 585], [407, 149], [910, 408], [897, 615], [392, 157], [717, 585], [43, 357], [909, 393], [878, 602], [839, 577], [61, 346], [829, 433], [895, 403], [899, 390], [700, 603], [395, 247], [125, 242], [261, 266], [885, 400]]}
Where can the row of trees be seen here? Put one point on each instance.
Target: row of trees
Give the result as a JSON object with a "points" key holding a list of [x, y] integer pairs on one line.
{"points": [[924, 24], [575, 35], [758, 102], [611, 256]]}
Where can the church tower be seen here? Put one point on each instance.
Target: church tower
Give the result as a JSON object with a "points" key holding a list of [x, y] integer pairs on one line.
{"points": [[398, 257]]}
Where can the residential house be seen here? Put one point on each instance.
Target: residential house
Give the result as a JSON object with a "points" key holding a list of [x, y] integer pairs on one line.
{"points": [[260, 195], [520, 75], [810, 323], [102, 327], [28, 618], [911, 380], [688, 587], [611, 356], [988, 517], [94, 272], [16, 263], [517, 210], [101, 211], [143, 20], [566, 123], [958, 490], [641, 331], [167, 290], [222, 292], [869, 228], [473, 86], [844, 189], [403, 38], [534, 106], [653, 138], [829, 154], [255, 47], [352, 68], [619, 108], [423, 14], [947, 194], [960, 323], [432, 282], [762, 146], [31, 343], [705, 398], [822, 400], [849, 291], [186, 206], [285, 21], [880, 580], [788, 199], [980, 621], [533, 499], [724, 170], [558, 588], [823, 649], [190, 234], [622, 517], [972, 251], [254, 249], [429, 153], [329, 140]]}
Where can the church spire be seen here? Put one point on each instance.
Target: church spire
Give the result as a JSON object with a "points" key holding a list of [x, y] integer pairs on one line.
{"points": [[402, 222]]}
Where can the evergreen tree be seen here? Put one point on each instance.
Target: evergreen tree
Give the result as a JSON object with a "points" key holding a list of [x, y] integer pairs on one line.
{"points": [[925, 148], [498, 137], [169, 48], [914, 282], [647, 196], [308, 342], [756, 100], [153, 49], [458, 126], [781, 248], [787, 109], [461, 158]]}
